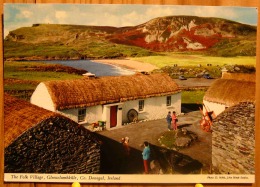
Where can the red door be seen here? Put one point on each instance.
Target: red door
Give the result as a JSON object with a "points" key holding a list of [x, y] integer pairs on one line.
{"points": [[113, 116]]}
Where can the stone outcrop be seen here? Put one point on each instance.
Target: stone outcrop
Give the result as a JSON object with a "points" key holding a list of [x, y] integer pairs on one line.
{"points": [[233, 140]]}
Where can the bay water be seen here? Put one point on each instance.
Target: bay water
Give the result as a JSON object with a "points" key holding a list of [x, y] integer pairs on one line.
{"points": [[99, 69]]}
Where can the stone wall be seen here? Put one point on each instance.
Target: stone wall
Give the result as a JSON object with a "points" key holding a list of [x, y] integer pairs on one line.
{"points": [[56, 145], [233, 140]]}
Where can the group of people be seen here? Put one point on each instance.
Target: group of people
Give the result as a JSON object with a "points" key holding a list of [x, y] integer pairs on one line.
{"points": [[145, 154], [172, 120]]}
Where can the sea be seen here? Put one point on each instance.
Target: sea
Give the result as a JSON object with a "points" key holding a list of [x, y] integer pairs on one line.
{"points": [[99, 69]]}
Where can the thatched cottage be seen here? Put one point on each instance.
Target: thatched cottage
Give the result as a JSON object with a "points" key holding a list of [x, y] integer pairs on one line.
{"points": [[233, 140], [228, 91], [40, 141], [115, 100]]}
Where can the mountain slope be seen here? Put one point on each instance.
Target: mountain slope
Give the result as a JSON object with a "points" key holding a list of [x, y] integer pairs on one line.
{"points": [[165, 34], [181, 33]]}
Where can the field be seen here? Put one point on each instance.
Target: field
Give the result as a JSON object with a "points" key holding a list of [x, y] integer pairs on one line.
{"points": [[182, 59], [21, 78], [195, 65]]}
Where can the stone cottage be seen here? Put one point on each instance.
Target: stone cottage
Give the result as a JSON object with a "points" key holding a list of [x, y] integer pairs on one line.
{"points": [[114, 100], [40, 141], [233, 140]]}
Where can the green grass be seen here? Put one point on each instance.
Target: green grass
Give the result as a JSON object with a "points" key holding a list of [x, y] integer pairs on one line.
{"points": [[108, 50], [182, 59], [192, 96], [26, 80], [15, 70], [40, 76], [192, 99], [83, 49], [19, 87], [44, 50], [168, 139]]}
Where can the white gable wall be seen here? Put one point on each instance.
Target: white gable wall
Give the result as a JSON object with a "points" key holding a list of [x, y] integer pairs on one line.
{"points": [[42, 98], [217, 108]]}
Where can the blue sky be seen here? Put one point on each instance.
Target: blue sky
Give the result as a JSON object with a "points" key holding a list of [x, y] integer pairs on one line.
{"points": [[24, 15]]}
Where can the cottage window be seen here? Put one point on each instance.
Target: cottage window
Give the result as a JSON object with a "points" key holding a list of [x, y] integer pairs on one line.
{"points": [[81, 115], [141, 105], [168, 101]]}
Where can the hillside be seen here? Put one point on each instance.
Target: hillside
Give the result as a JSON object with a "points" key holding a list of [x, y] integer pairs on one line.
{"points": [[212, 36]]}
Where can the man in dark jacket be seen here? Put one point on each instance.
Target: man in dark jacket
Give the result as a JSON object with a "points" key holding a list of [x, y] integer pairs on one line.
{"points": [[169, 120]]}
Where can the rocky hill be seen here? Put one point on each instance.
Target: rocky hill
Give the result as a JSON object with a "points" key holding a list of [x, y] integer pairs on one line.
{"points": [[212, 36]]}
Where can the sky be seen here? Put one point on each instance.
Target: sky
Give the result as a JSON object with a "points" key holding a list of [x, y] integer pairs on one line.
{"points": [[117, 15]]}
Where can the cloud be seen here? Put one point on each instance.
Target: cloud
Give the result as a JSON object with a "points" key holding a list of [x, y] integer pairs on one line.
{"points": [[61, 16], [26, 14], [158, 11], [130, 19], [211, 11]]}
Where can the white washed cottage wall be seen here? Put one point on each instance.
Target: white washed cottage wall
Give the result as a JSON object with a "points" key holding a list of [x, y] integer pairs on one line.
{"points": [[99, 95]]}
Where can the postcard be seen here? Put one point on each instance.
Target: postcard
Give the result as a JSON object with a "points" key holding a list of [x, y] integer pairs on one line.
{"points": [[116, 93]]}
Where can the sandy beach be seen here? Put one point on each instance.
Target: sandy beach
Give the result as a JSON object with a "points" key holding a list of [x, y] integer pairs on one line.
{"points": [[128, 64]]}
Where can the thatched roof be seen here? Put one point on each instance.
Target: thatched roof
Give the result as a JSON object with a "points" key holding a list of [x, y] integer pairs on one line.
{"points": [[40, 141], [94, 91], [240, 76], [232, 89], [20, 116]]}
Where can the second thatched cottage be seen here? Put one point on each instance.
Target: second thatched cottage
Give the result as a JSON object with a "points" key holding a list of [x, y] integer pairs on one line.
{"points": [[113, 99], [228, 91]]}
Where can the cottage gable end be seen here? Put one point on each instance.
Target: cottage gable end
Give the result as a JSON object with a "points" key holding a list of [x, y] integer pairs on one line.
{"points": [[42, 98]]}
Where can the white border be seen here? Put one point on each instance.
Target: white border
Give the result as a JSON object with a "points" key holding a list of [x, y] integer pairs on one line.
{"points": [[118, 178]]}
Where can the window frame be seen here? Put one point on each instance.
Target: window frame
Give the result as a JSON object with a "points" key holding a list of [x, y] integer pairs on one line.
{"points": [[82, 112], [141, 105], [169, 100]]}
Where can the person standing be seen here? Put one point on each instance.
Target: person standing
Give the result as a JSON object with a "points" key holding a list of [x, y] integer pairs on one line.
{"points": [[146, 156], [174, 120], [125, 143], [169, 120]]}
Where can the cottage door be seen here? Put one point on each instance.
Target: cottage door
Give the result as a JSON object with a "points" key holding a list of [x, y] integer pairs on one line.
{"points": [[113, 116]]}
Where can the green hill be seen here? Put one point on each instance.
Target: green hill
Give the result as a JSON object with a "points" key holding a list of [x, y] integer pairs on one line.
{"points": [[211, 36]]}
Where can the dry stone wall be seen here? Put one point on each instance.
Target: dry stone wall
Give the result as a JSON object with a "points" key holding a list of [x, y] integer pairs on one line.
{"points": [[56, 145], [233, 140]]}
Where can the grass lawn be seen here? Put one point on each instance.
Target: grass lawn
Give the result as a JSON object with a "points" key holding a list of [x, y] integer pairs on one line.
{"points": [[195, 60], [19, 76], [192, 96], [23, 71]]}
